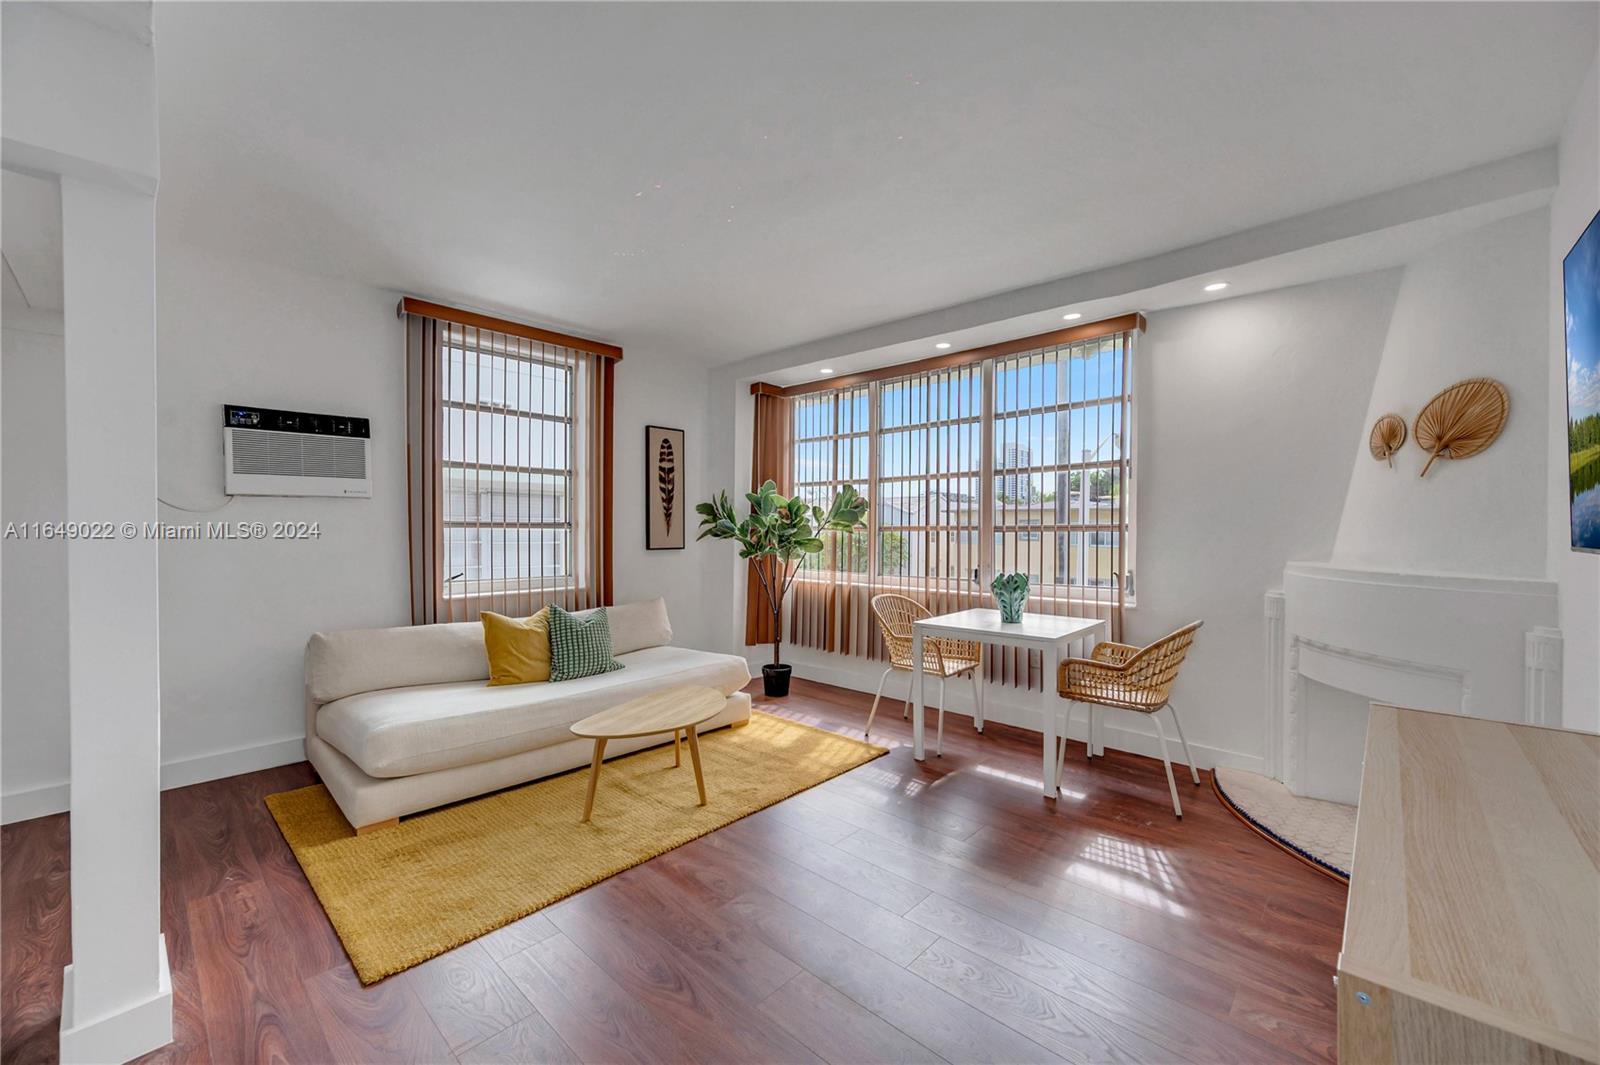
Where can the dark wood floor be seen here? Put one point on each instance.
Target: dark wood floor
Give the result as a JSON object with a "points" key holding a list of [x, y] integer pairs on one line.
{"points": [[902, 912]]}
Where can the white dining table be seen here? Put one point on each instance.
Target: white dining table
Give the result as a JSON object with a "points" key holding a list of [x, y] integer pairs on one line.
{"points": [[1049, 634]]}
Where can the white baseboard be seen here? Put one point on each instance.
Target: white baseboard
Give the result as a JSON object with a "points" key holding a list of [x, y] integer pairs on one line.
{"points": [[122, 1036], [1005, 705], [26, 804], [215, 765]]}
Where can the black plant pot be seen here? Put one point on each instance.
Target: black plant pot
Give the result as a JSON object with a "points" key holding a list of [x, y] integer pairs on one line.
{"points": [[775, 680]]}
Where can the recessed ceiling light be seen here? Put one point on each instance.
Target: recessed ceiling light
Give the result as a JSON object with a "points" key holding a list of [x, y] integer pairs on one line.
{"points": [[1216, 286], [941, 345], [824, 371], [1073, 317]]}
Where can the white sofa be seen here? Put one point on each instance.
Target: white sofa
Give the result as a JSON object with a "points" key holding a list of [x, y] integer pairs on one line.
{"points": [[401, 720]]}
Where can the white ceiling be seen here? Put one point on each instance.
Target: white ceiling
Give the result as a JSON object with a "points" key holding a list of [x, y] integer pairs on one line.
{"points": [[727, 179]]}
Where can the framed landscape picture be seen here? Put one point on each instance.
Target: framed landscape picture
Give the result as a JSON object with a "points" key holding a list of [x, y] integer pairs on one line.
{"points": [[1581, 276], [664, 489]]}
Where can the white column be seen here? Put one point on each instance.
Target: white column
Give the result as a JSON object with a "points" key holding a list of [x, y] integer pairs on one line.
{"points": [[117, 999]]}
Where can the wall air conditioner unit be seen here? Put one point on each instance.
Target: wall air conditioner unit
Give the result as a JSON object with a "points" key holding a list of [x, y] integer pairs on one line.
{"points": [[290, 453]]}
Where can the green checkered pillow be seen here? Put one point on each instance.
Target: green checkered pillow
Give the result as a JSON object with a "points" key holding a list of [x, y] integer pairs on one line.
{"points": [[580, 647]]}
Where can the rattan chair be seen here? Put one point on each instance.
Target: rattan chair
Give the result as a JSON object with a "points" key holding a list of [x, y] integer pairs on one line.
{"points": [[1121, 677], [942, 657]]}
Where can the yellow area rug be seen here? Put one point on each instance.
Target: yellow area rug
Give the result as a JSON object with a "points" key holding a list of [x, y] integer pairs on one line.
{"points": [[402, 895]]}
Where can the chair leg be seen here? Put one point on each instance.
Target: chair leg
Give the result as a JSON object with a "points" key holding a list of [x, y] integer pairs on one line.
{"points": [[874, 712], [1193, 772], [938, 745], [1172, 784]]}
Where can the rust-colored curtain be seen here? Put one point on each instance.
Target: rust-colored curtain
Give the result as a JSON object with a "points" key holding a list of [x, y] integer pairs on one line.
{"points": [[771, 460], [1016, 462], [509, 467]]}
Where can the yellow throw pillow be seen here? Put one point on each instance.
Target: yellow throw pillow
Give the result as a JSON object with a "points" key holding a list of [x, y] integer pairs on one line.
{"points": [[518, 648]]}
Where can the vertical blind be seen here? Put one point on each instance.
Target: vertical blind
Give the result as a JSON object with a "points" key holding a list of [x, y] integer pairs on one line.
{"points": [[509, 468], [1015, 462]]}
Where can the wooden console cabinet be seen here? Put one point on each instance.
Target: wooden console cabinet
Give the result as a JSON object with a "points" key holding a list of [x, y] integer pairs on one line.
{"points": [[1473, 928]]}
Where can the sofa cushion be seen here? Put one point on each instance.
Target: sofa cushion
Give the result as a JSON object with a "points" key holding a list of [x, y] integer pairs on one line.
{"points": [[518, 648], [579, 647], [364, 660], [635, 626], [402, 731]]}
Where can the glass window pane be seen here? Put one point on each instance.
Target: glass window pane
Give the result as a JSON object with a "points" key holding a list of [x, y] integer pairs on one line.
{"points": [[522, 384], [1096, 434], [498, 553], [813, 462], [496, 496], [488, 438], [1102, 501]]}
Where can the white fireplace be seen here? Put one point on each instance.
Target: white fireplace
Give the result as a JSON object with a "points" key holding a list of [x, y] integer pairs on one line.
{"points": [[1339, 638]]}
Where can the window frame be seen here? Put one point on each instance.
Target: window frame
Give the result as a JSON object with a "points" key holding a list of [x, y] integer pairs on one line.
{"points": [[991, 523], [530, 491], [455, 349]]}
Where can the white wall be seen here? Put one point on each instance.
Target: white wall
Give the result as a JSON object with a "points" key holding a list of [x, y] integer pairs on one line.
{"points": [[1245, 407], [1574, 204], [659, 388], [235, 615], [33, 631], [1245, 410], [1473, 306]]}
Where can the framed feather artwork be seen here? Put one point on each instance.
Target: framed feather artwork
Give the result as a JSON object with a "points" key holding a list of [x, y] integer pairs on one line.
{"points": [[664, 488]]}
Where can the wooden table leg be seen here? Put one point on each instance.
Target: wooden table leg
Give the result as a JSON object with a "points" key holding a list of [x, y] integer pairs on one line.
{"points": [[677, 747], [694, 756], [594, 777]]}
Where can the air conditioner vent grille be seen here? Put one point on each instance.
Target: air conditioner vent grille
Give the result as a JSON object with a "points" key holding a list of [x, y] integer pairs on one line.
{"points": [[275, 463], [298, 455], [333, 456]]}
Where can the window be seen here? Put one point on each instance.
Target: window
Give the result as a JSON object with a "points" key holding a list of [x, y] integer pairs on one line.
{"points": [[831, 434], [1060, 443], [510, 468], [507, 465], [1019, 460]]}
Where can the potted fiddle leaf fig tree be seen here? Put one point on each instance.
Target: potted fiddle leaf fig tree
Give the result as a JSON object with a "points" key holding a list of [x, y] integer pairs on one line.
{"points": [[776, 535]]}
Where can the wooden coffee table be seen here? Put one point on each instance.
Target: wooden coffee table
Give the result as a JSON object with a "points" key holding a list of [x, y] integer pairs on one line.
{"points": [[676, 710]]}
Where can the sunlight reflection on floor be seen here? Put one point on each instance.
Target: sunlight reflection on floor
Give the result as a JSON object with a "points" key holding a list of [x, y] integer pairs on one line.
{"points": [[1032, 783], [1132, 871]]}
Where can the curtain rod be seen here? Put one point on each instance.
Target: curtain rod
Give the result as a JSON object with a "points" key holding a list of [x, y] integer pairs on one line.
{"points": [[1126, 323], [472, 319]]}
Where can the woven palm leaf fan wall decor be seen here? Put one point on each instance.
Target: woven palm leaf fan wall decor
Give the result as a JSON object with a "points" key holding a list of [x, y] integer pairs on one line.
{"points": [[1388, 436], [1462, 420]]}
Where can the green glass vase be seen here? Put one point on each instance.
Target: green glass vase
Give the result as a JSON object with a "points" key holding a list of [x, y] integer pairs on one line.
{"points": [[1010, 595]]}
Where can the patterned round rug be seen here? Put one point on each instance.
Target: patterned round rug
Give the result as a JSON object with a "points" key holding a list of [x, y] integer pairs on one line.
{"points": [[1319, 833]]}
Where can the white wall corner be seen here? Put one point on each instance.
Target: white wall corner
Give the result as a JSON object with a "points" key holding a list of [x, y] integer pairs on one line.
{"points": [[1272, 733], [80, 93], [125, 1034], [1541, 677]]}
